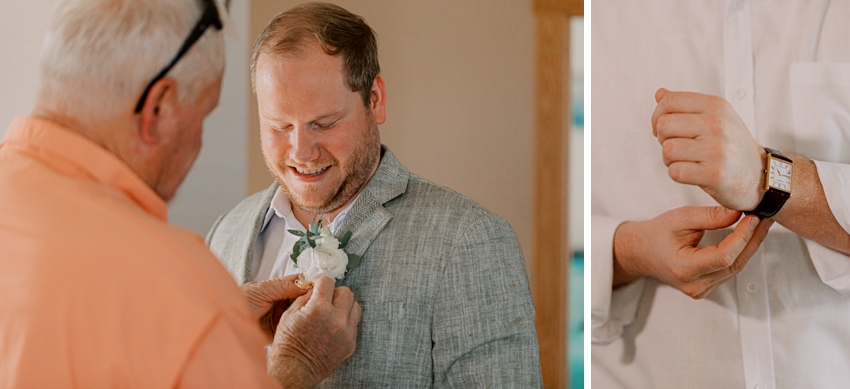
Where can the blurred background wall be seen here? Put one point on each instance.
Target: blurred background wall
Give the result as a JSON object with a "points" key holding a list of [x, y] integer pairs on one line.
{"points": [[460, 106]]}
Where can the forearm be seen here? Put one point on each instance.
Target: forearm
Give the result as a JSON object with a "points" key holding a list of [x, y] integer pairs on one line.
{"points": [[807, 212]]}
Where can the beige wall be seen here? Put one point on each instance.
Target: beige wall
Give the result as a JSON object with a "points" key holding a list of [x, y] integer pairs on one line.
{"points": [[22, 27], [460, 96]]}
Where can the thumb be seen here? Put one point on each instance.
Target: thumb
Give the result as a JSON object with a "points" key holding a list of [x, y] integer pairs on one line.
{"points": [[300, 302], [279, 289], [706, 218], [659, 94]]}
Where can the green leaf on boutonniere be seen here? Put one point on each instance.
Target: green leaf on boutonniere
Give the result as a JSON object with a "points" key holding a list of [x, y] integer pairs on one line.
{"points": [[314, 226], [344, 239], [353, 261], [296, 251], [296, 232]]}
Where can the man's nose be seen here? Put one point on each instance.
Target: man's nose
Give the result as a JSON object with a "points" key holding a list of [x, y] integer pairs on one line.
{"points": [[304, 146]]}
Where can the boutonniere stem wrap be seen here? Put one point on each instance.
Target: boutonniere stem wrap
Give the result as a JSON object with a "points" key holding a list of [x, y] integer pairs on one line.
{"points": [[318, 253]]}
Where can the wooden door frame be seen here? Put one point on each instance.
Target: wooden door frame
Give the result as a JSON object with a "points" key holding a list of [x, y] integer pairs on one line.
{"points": [[550, 261]]}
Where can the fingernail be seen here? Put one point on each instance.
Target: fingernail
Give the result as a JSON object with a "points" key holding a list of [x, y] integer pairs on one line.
{"points": [[754, 222]]}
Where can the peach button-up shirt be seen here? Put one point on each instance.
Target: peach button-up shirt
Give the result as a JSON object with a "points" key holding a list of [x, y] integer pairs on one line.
{"points": [[97, 290]]}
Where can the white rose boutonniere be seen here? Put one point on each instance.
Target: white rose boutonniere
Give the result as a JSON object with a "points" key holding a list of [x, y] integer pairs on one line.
{"points": [[318, 253]]}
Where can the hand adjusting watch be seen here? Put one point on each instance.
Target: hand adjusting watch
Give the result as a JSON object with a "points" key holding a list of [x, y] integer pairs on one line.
{"points": [[777, 184]]}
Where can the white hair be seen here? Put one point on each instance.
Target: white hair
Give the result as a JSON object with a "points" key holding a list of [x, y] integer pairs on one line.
{"points": [[99, 55]]}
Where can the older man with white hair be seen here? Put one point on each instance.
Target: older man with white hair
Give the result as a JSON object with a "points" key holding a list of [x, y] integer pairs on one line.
{"points": [[97, 290]]}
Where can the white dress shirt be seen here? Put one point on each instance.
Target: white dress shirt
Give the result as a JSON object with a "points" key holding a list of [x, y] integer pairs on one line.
{"points": [[274, 245], [784, 321]]}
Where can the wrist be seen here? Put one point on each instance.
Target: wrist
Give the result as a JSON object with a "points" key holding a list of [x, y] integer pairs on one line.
{"points": [[775, 184], [760, 181], [624, 256], [289, 370]]}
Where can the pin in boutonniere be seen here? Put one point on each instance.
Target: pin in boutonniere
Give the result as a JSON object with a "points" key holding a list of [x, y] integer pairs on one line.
{"points": [[318, 253]]}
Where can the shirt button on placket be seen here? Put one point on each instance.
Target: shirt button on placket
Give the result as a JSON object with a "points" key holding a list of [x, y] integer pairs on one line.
{"points": [[752, 287], [738, 5], [740, 94], [759, 386]]}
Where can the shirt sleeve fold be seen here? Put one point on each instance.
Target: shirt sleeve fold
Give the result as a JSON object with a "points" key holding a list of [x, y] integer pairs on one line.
{"points": [[611, 310], [833, 267]]}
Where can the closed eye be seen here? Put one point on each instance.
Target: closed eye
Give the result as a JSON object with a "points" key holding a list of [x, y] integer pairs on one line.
{"points": [[320, 126], [279, 128]]}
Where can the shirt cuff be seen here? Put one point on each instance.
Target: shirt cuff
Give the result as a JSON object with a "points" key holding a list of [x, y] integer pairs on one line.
{"points": [[610, 311], [833, 267]]}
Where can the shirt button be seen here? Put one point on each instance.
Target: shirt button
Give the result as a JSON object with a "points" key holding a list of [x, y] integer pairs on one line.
{"points": [[740, 94], [751, 287], [738, 5], [760, 386]]}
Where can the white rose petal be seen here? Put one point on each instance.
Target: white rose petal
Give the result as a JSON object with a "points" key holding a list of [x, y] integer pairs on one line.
{"points": [[320, 261], [327, 242]]}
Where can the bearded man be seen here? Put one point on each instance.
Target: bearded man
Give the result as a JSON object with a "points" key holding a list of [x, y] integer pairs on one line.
{"points": [[441, 280]]}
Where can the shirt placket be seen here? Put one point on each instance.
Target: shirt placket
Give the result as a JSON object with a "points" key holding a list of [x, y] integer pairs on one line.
{"points": [[751, 283]]}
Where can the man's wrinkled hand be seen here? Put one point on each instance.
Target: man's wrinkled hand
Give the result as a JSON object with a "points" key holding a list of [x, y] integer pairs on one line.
{"points": [[665, 248], [315, 335], [269, 299], [705, 143]]}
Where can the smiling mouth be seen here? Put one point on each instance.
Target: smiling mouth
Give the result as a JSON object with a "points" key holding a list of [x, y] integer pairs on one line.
{"points": [[310, 172]]}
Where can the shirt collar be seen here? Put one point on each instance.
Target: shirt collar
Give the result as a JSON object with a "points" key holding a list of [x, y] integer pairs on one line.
{"points": [[282, 208], [75, 155]]}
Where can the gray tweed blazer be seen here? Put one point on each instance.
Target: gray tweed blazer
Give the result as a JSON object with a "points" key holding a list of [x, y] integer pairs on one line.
{"points": [[442, 284]]}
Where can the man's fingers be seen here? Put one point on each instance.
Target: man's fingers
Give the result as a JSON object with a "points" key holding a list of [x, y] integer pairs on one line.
{"points": [[343, 298], [712, 280], [323, 291], [679, 125], [354, 314], [659, 94], [750, 249], [735, 242], [692, 173], [683, 150], [724, 255], [704, 218], [301, 301], [281, 288], [680, 102]]}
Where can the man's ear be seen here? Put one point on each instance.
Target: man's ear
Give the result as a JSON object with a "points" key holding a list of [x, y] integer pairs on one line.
{"points": [[378, 100], [157, 106]]}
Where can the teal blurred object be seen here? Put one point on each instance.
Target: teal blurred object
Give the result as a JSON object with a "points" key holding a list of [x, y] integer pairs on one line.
{"points": [[576, 321]]}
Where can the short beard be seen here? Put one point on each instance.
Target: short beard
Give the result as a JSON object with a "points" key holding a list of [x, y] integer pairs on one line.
{"points": [[364, 159]]}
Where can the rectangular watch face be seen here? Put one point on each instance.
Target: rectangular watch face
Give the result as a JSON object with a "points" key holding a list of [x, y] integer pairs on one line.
{"points": [[779, 176]]}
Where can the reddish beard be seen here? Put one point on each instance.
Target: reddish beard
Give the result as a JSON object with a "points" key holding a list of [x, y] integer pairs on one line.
{"points": [[357, 173]]}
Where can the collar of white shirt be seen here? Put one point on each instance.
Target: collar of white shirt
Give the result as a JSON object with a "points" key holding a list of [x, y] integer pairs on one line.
{"points": [[281, 207], [274, 244]]}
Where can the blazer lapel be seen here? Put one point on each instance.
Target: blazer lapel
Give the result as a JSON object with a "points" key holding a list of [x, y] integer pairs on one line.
{"points": [[255, 219], [368, 217]]}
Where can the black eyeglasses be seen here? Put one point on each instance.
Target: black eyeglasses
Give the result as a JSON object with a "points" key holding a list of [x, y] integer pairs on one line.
{"points": [[210, 17]]}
